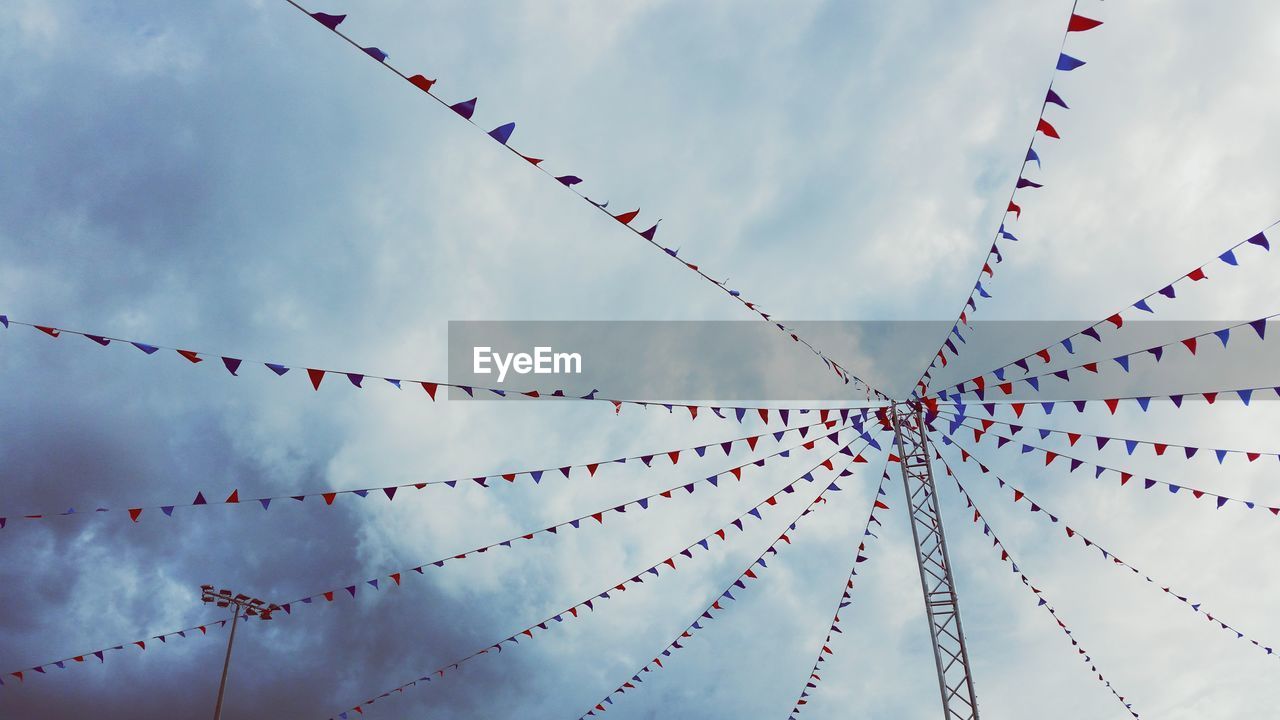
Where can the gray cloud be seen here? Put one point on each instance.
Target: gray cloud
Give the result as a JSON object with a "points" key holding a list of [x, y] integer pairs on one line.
{"points": [[229, 176]]}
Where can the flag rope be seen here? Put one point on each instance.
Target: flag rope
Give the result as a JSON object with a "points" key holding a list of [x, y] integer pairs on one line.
{"points": [[846, 595], [1130, 444], [748, 573], [390, 491], [1191, 344], [101, 654], [573, 611], [598, 515], [1125, 476], [1245, 395], [1071, 532], [502, 134], [1116, 319], [1042, 601], [1065, 63], [316, 377]]}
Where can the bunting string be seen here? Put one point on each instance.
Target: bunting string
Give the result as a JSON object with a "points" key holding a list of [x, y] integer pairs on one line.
{"points": [[846, 598], [316, 376], [101, 654], [1041, 600], [1065, 63], [640, 504], [718, 604], [1034, 506], [502, 135], [1190, 344], [1244, 395], [396, 578], [1116, 320], [588, 605], [1130, 444], [1074, 463], [510, 477]]}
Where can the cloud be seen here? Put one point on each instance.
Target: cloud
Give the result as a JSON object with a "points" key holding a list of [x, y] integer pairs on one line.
{"points": [[229, 176]]}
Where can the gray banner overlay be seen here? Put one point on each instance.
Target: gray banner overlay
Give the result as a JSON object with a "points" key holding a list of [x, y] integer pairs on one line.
{"points": [[739, 361]]}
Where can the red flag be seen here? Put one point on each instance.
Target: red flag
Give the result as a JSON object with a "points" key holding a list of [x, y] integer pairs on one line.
{"points": [[627, 217], [317, 376], [422, 83], [1047, 129], [234, 497], [328, 497], [428, 386], [51, 332], [190, 355], [134, 513], [1080, 23], [1017, 211]]}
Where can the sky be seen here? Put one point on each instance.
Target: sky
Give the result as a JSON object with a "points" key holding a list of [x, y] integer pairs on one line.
{"points": [[231, 177]]}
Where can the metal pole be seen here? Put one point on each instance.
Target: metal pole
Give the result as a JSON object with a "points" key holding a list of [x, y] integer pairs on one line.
{"points": [[222, 686], [951, 657]]}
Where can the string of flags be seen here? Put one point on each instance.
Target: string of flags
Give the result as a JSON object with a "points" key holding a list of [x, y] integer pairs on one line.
{"points": [[1074, 463], [135, 513], [1041, 600], [101, 654], [1066, 63], [846, 598], [1130, 445], [588, 605], [502, 135], [598, 516], [718, 604], [1244, 395], [1019, 495], [1116, 320], [1191, 344], [396, 579], [315, 376]]}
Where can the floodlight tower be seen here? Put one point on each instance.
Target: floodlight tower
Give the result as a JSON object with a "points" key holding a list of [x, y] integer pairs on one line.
{"points": [[240, 604], [941, 604]]}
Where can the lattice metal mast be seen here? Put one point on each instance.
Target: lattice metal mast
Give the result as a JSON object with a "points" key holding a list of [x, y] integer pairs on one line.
{"points": [[955, 680]]}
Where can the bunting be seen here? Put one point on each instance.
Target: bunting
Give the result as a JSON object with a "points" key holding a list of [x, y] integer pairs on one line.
{"points": [[1036, 507], [846, 598], [101, 654], [1041, 601], [502, 135], [718, 604], [671, 457], [590, 519], [1190, 345], [1116, 320], [1073, 463], [1101, 441], [1244, 395], [588, 605], [316, 376], [1066, 63]]}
